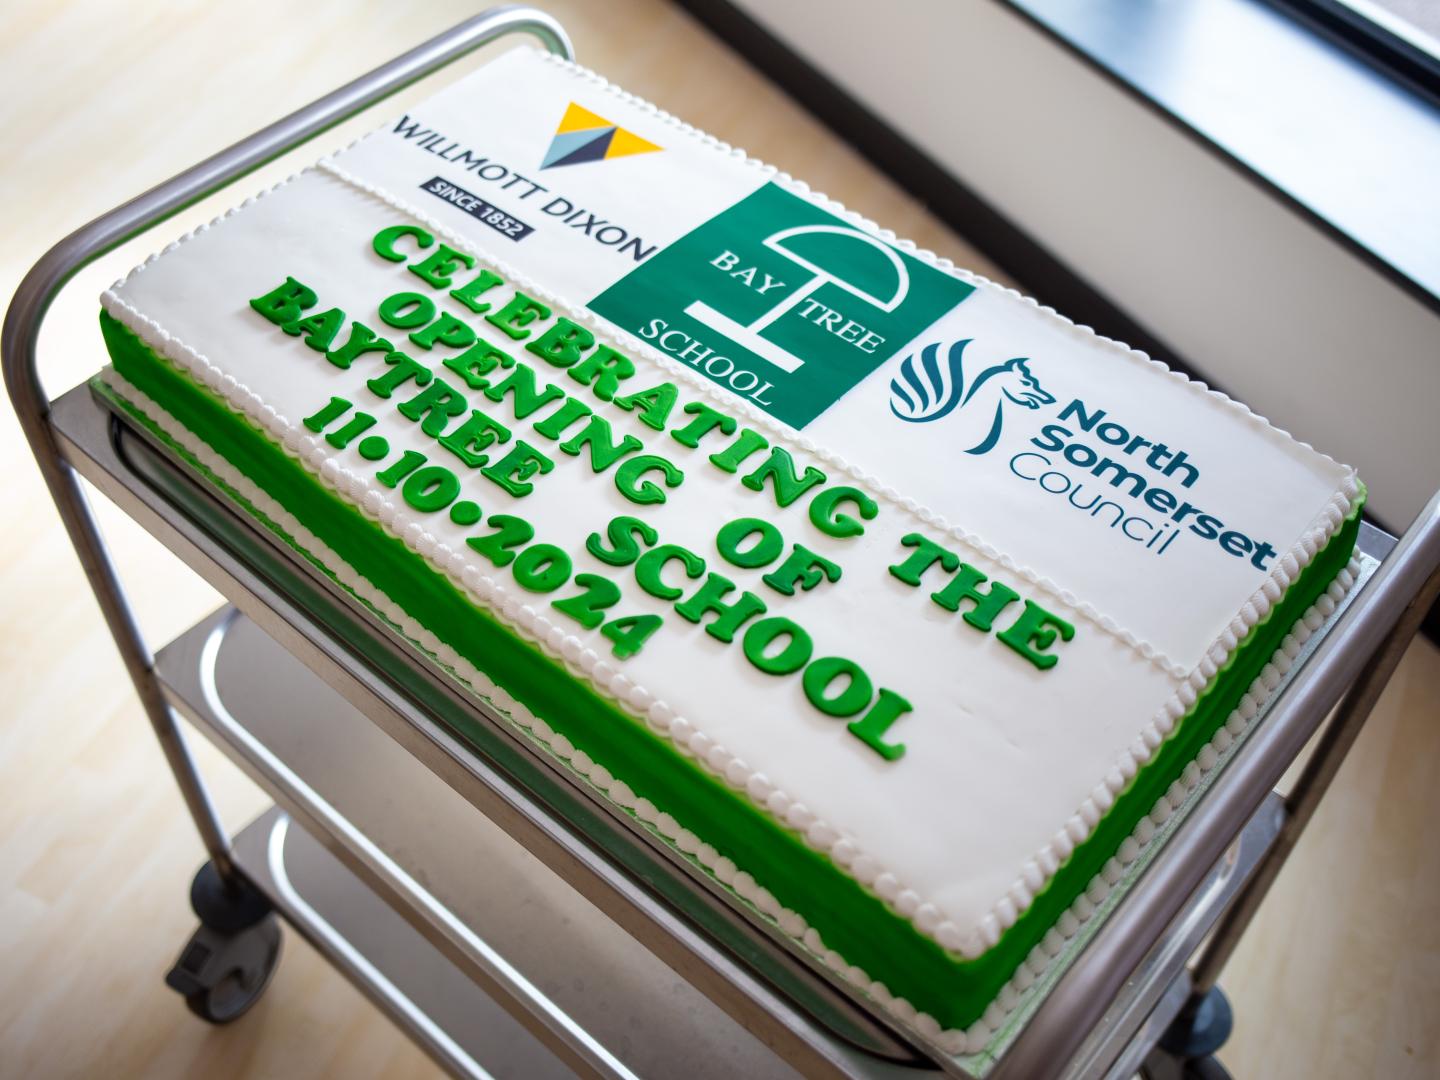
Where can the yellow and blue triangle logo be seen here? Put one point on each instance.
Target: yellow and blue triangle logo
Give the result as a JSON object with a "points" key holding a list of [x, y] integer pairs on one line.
{"points": [[586, 136]]}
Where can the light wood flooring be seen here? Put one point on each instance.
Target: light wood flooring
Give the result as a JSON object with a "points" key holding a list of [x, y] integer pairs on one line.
{"points": [[1340, 977]]}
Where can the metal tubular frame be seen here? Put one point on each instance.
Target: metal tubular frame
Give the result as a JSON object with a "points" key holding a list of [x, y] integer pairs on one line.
{"points": [[1350, 667], [20, 336], [1314, 780], [1353, 663]]}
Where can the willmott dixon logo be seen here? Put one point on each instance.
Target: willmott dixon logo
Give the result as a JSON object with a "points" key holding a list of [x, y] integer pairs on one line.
{"points": [[585, 136], [929, 390]]}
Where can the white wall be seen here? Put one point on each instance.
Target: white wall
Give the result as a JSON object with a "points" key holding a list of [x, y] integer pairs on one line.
{"points": [[1251, 293]]}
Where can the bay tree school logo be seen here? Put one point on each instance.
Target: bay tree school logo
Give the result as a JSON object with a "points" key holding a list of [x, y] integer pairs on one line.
{"points": [[927, 389], [781, 302], [586, 136], [831, 254]]}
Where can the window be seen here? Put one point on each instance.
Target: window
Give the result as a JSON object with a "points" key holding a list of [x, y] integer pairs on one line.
{"points": [[1400, 37]]}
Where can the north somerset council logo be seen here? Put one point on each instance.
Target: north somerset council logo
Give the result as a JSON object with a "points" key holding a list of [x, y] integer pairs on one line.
{"points": [[927, 390]]}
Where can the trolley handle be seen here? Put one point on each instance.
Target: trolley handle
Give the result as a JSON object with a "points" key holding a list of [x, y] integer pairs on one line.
{"points": [[1361, 653], [32, 299]]}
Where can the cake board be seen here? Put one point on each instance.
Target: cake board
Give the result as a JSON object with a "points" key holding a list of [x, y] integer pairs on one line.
{"points": [[1353, 663]]}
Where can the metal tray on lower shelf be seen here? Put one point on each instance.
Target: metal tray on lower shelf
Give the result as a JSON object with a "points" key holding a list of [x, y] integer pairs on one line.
{"points": [[376, 911], [392, 685], [337, 661], [369, 821]]}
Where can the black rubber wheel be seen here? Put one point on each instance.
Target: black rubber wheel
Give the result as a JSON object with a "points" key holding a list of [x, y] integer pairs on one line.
{"points": [[227, 906], [1201, 1028], [1205, 1068], [222, 976]]}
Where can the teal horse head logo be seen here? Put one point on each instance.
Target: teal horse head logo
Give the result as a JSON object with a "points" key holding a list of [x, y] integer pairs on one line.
{"points": [[927, 390]]}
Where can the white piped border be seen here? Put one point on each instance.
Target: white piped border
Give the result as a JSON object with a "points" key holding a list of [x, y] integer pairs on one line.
{"points": [[953, 1041], [927, 918]]}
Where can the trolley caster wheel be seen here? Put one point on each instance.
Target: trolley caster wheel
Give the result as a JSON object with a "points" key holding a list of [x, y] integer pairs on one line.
{"points": [[1187, 1049], [229, 960], [222, 975], [1205, 1068], [226, 906], [1161, 1065], [1201, 1028]]}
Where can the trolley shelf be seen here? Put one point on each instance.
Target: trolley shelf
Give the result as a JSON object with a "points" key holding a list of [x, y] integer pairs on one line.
{"points": [[416, 839], [390, 828], [390, 685], [358, 683]]}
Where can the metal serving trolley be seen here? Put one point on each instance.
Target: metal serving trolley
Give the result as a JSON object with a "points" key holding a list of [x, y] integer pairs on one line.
{"points": [[504, 919]]}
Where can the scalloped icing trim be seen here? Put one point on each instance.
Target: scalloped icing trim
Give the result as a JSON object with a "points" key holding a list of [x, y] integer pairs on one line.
{"points": [[864, 867], [952, 1041], [926, 918]]}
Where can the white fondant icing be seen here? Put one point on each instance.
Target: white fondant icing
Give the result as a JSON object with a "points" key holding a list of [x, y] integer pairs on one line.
{"points": [[767, 730], [995, 731]]}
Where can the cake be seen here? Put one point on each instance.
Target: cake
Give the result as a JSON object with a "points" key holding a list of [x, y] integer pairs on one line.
{"points": [[900, 607]]}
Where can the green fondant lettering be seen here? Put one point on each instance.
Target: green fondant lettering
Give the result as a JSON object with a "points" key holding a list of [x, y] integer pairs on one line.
{"points": [[384, 242], [606, 369], [927, 553], [588, 608], [446, 331], [604, 451], [729, 617], [513, 471], [476, 362], [629, 633], [649, 566], [437, 268], [541, 568], [626, 535], [500, 546], [374, 448], [469, 294], [795, 655], [433, 406], [319, 330], [407, 463], [1034, 632], [407, 310], [765, 550], [779, 467], [820, 676], [431, 488], [826, 516], [630, 482], [286, 302], [465, 513], [655, 404], [570, 412], [516, 315], [356, 425], [873, 726], [706, 420], [746, 443], [524, 397], [362, 340], [562, 344], [966, 586], [477, 433], [402, 370], [335, 408], [802, 568]]}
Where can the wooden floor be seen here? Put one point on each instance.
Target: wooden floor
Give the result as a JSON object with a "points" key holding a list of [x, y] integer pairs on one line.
{"points": [[1341, 976]]}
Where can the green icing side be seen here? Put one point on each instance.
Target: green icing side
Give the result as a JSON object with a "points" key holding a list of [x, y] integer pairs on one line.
{"points": [[850, 920]]}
